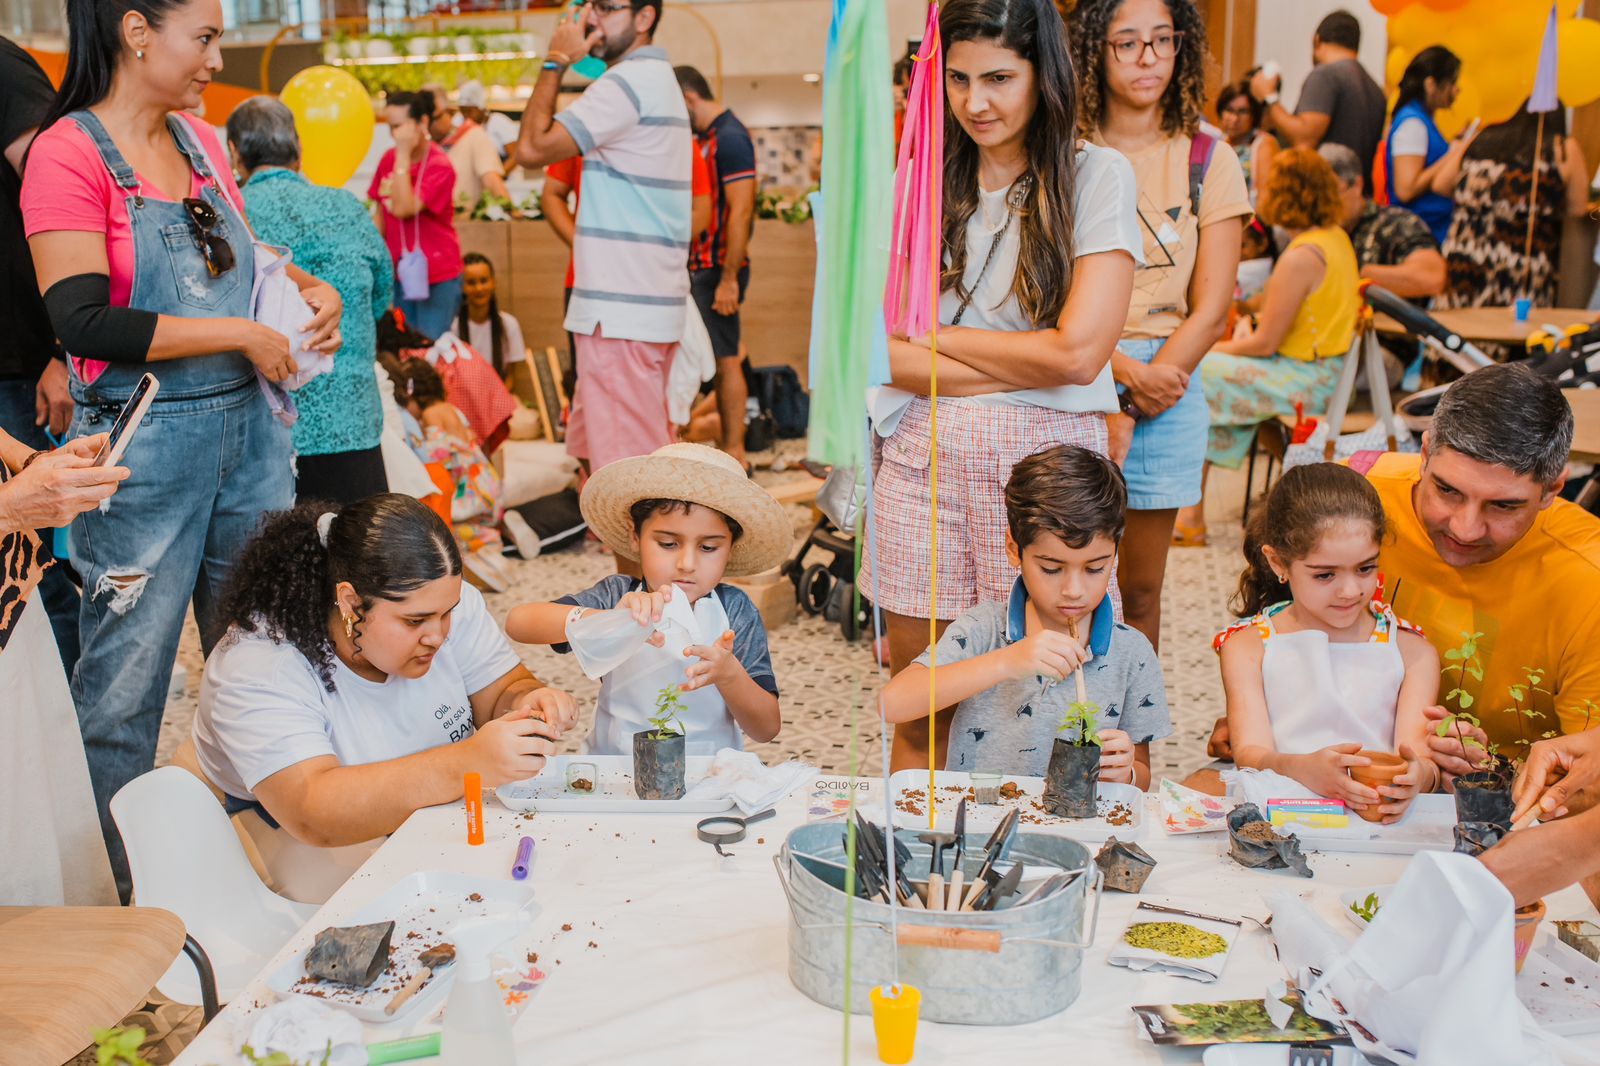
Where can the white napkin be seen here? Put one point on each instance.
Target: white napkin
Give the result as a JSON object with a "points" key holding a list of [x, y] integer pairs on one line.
{"points": [[304, 1031], [1431, 978], [1259, 786], [753, 785]]}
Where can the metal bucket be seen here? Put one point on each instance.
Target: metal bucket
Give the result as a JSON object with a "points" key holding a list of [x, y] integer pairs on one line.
{"points": [[976, 968]]}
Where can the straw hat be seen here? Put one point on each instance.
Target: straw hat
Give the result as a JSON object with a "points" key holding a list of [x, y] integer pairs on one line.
{"points": [[698, 474]]}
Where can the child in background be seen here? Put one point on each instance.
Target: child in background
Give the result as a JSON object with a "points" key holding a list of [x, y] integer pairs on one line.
{"points": [[1006, 667], [439, 434], [1319, 669], [688, 515], [492, 333]]}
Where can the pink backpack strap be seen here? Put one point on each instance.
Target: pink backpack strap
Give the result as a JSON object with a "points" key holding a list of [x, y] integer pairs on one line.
{"points": [[1200, 148]]}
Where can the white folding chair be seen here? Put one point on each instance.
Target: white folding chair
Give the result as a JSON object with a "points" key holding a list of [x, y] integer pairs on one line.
{"points": [[185, 857]]}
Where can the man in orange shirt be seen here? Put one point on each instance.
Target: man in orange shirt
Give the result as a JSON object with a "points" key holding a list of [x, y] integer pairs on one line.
{"points": [[1502, 575]]}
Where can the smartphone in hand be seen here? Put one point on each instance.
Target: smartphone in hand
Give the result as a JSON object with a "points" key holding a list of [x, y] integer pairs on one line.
{"points": [[127, 423]]}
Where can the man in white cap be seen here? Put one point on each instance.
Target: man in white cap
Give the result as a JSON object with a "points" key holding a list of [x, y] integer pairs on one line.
{"points": [[472, 100], [472, 151]]}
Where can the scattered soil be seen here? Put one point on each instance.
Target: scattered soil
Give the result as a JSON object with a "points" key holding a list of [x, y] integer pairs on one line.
{"points": [[593, 944], [1120, 814], [533, 957], [476, 897], [1010, 791], [566, 927], [582, 784], [761, 840]]}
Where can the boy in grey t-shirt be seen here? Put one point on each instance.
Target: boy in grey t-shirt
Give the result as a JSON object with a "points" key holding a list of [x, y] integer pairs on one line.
{"points": [[1007, 667]]}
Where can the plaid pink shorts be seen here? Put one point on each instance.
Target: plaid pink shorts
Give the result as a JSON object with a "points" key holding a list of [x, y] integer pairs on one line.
{"points": [[979, 444]]}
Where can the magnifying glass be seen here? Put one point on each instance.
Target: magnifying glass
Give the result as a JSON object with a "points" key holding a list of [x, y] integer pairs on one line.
{"points": [[728, 829]]}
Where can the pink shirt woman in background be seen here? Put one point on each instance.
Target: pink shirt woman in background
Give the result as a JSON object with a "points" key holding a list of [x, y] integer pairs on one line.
{"points": [[146, 263], [415, 189]]}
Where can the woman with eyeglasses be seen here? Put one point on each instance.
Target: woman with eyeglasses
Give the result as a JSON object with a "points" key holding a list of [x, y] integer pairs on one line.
{"points": [[1239, 117], [1141, 68], [1039, 239], [146, 262]]}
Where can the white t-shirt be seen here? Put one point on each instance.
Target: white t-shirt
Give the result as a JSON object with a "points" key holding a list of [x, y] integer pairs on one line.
{"points": [[263, 708], [1410, 138], [1104, 219], [480, 335]]}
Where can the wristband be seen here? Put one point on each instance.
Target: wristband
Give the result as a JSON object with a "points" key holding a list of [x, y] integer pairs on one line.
{"points": [[29, 460], [551, 65], [560, 58], [572, 616]]}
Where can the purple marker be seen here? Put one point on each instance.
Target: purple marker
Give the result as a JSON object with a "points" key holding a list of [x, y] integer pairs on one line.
{"points": [[519, 868]]}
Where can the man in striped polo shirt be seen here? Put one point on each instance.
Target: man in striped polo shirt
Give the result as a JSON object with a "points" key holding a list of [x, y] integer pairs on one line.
{"points": [[629, 287], [719, 271]]}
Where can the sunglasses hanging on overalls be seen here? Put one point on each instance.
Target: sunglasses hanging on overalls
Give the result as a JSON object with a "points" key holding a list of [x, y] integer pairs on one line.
{"points": [[203, 222]]}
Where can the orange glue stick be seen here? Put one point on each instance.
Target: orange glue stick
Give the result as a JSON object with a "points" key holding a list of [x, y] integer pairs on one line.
{"points": [[474, 793]]}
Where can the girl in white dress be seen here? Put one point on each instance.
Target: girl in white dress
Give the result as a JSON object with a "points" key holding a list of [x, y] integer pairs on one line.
{"points": [[1319, 668]]}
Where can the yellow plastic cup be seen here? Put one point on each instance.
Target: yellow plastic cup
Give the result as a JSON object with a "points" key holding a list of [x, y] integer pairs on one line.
{"points": [[894, 1020]]}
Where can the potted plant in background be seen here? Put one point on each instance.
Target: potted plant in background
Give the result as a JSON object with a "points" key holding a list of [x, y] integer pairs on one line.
{"points": [[658, 751], [1483, 796]]}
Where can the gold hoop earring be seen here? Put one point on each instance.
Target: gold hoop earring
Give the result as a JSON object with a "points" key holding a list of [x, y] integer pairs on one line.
{"points": [[349, 627]]}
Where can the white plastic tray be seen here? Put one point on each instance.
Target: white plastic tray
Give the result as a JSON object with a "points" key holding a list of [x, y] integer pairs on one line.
{"points": [[909, 789], [613, 791], [429, 905], [1562, 1008], [1428, 825]]}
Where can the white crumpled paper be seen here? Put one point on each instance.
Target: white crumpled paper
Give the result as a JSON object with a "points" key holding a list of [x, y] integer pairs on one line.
{"points": [[1431, 981], [753, 785], [305, 1031]]}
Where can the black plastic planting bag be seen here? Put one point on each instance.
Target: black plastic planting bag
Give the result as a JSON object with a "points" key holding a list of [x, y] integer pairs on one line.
{"points": [[1254, 844], [354, 955]]}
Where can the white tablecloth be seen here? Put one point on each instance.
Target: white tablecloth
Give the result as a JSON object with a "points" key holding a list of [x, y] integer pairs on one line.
{"points": [[691, 962]]}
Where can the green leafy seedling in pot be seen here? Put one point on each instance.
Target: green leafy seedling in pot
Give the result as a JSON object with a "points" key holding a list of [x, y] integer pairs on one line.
{"points": [[1367, 909], [665, 723], [1084, 717]]}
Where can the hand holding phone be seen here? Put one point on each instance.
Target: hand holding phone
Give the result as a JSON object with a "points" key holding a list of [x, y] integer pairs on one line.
{"points": [[58, 486], [1471, 131], [127, 423]]}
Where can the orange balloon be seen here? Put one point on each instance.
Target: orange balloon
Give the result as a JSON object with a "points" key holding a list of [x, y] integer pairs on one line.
{"points": [[1444, 5], [1390, 7]]}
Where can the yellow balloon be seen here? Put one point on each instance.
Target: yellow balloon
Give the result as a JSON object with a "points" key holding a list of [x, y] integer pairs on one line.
{"points": [[333, 114], [1578, 76], [1395, 68]]}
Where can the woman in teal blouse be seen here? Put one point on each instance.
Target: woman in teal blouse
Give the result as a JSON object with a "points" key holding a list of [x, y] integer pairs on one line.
{"points": [[331, 236]]}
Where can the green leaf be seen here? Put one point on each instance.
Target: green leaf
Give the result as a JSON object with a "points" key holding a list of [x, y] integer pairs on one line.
{"points": [[1518, 693], [1443, 729], [1476, 672], [1454, 654], [1466, 700]]}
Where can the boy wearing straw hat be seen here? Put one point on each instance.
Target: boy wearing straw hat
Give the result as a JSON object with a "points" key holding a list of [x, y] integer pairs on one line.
{"points": [[1007, 668], [688, 515]]}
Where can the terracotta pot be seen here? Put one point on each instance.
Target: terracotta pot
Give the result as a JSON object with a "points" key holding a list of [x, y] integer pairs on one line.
{"points": [[1382, 770], [1527, 921]]}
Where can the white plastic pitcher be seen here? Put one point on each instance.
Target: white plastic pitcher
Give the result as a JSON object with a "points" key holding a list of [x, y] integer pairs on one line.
{"points": [[603, 640]]}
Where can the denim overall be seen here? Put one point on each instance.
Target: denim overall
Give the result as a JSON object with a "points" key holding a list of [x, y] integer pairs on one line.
{"points": [[209, 460]]}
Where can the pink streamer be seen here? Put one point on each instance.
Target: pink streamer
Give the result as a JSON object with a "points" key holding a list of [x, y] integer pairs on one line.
{"points": [[908, 306]]}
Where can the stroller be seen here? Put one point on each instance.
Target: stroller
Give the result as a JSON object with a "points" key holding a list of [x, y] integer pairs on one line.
{"points": [[829, 588]]}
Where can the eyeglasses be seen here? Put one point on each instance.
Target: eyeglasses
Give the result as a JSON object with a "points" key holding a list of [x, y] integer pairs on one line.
{"points": [[1131, 49], [604, 9], [203, 222], [1241, 110]]}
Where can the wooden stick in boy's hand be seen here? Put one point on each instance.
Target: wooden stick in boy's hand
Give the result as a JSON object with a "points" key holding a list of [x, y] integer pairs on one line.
{"points": [[1077, 675]]}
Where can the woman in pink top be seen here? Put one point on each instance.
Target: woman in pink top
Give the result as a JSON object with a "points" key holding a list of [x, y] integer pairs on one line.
{"points": [[415, 188], [145, 260]]}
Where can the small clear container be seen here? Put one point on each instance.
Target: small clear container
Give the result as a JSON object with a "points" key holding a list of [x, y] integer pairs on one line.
{"points": [[986, 786], [582, 778]]}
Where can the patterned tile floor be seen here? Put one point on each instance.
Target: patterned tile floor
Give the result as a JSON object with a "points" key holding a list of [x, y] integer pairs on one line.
{"points": [[828, 684]]}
